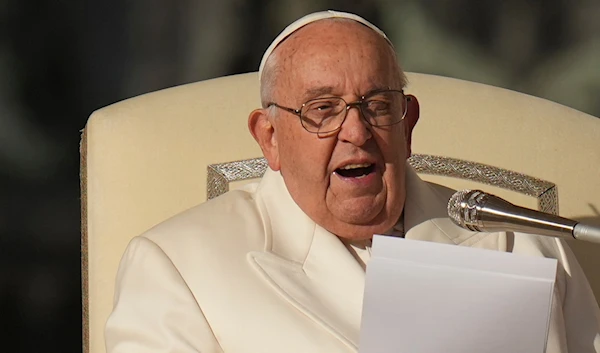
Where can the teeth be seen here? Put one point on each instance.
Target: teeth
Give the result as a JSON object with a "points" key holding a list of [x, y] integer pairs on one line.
{"points": [[354, 166]]}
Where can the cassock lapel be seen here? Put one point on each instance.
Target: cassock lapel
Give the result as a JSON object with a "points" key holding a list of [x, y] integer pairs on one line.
{"points": [[307, 265], [314, 271]]}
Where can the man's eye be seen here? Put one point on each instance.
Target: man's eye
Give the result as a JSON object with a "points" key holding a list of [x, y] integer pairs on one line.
{"points": [[322, 107], [378, 106]]}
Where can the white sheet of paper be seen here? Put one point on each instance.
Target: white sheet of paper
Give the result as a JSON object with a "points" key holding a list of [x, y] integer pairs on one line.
{"points": [[423, 297]]}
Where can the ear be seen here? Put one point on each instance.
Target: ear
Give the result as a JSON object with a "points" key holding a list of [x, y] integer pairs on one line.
{"points": [[412, 116], [263, 131]]}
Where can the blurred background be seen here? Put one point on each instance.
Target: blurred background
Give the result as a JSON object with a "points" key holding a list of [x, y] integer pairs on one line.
{"points": [[61, 60]]}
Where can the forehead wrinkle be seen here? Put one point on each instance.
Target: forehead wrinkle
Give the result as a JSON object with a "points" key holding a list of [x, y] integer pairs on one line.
{"points": [[307, 36], [327, 38]]}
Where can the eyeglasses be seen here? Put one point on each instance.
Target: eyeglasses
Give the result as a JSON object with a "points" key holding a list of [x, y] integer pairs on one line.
{"points": [[326, 115]]}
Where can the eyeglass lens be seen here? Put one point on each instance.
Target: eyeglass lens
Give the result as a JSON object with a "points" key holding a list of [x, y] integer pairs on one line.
{"points": [[327, 114]]}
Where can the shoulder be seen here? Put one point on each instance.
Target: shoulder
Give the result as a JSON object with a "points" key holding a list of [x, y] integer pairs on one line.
{"points": [[442, 192], [229, 223]]}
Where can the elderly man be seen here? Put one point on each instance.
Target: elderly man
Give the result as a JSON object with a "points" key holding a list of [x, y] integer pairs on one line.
{"points": [[279, 266]]}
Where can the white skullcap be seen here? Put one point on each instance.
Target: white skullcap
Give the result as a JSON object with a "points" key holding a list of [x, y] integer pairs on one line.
{"points": [[313, 17]]}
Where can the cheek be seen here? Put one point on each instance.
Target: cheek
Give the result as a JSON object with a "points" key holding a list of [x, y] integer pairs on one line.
{"points": [[392, 145], [304, 158], [393, 150]]}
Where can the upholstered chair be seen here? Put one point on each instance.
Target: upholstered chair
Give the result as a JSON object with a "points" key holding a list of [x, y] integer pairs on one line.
{"points": [[149, 157]]}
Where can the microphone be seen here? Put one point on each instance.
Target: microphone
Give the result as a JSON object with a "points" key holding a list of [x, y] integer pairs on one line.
{"points": [[482, 212]]}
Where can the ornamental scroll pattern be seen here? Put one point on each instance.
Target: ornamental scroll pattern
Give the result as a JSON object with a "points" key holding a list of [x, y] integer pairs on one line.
{"points": [[544, 191], [220, 175]]}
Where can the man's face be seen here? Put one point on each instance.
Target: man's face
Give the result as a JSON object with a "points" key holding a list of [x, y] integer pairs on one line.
{"points": [[350, 182]]}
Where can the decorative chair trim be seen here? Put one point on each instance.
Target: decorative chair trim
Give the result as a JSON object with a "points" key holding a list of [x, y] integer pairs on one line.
{"points": [[220, 175]]}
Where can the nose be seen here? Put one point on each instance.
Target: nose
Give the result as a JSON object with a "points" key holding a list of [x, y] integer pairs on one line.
{"points": [[355, 129]]}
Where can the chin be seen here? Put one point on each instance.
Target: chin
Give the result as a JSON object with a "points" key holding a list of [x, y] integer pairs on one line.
{"points": [[356, 232], [363, 217], [360, 229]]}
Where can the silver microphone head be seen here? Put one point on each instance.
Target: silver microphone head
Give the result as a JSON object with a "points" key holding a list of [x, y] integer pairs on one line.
{"points": [[478, 211], [462, 208]]}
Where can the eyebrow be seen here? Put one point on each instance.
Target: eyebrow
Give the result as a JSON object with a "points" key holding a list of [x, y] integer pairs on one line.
{"points": [[374, 90], [318, 91], [312, 93]]}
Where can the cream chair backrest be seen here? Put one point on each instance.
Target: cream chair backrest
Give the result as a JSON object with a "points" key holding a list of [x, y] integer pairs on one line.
{"points": [[145, 159]]}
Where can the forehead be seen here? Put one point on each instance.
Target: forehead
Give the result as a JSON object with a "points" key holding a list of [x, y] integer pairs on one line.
{"points": [[340, 54]]}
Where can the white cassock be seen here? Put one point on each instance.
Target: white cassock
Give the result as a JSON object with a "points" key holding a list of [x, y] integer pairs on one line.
{"points": [[250, 272]]}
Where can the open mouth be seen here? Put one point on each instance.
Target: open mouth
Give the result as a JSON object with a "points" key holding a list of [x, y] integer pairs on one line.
{"points": [[356, 170]]}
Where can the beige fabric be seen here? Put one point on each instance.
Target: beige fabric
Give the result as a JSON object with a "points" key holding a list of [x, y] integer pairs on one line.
{"points": [[145, 158], [250, 272]]}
